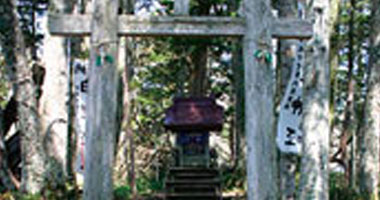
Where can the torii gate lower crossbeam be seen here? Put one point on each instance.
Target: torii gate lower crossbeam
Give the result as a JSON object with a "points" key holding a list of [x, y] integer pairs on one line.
{"points": [[256, 28]]}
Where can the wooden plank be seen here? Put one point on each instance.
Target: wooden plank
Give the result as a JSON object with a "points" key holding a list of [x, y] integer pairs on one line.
{"points": [[79, 25], [101, 101]]}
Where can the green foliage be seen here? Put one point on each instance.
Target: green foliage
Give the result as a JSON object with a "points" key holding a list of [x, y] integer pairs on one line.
{"points": [[233, 178], [122, 193], [338, 191], [4, 85], [340, 44], [149, 184], [21, 196]]}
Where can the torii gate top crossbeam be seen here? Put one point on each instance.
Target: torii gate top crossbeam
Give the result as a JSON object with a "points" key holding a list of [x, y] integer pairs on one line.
{"points": [[80, 25]]}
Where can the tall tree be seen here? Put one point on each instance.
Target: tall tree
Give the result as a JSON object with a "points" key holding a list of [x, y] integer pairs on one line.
{"points": [[54, 97], [315, 125], [199, 56], [20, 73], [125, 141], [370, 147], [349, 111]]}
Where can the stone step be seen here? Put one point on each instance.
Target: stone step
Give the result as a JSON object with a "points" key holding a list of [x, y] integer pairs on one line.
{"points": [[193, 188], [198, 196], [192, 198], [191, 182], [193, 170], [194, 176]]}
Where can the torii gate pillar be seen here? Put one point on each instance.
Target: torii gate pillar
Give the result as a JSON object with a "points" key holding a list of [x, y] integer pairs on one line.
{"points": [[101, 101], [259, 101]]}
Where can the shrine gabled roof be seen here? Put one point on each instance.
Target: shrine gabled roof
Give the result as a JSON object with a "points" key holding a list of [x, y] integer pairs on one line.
{"points": [[194, 114]]}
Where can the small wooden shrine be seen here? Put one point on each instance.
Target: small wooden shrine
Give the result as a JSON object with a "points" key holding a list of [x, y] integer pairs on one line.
{"points": [[192, 119]]}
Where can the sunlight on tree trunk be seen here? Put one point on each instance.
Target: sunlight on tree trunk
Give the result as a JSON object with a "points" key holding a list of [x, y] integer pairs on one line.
{"points": [[369, 155], [53, 102], [124, 165], [32, 155], [314, 166]]}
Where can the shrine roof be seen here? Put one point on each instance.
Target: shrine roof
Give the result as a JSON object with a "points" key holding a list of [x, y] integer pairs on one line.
{"points": [[194, 114]]}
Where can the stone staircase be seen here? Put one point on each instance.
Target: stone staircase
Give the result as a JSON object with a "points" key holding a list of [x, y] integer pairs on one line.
{"points": [[193, 184]]}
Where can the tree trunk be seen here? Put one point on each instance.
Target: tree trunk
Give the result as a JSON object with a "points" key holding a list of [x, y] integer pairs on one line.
{"points": [[369, 155], [259, 96], [199, 56], [198, 73], [125, 139], [349, 111], [6, 176], [55, 103], [20, 74], [238, 71], [315, 125], [52, 106], [32, 155], [124, 161], [101, 102]]}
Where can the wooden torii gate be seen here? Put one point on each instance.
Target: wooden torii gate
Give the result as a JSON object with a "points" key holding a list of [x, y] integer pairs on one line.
{"points": [[257, 27]]}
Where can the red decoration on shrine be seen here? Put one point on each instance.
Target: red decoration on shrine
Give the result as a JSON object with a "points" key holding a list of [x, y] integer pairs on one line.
{"points": [[194, 114]]}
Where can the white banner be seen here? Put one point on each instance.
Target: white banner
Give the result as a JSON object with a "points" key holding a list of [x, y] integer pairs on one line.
{"points": [[80, 94], [289, 135]]}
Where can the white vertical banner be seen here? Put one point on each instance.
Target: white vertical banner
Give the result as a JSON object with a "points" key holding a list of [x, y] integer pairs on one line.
{"points": [[80, 78], [289, 135]]}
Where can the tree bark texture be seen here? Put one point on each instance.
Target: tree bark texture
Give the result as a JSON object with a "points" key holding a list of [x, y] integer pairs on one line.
{"points": [[315, 125], [123, 161], [198, 71], [10, 153], [102, 101], [53, 102], [6, 176], [124, 139], [198, 57], [20, 74], [239, 132], [369, 151], [259, 98]]}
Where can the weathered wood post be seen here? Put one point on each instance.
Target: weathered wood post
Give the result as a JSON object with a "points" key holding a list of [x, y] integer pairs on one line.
{"points": [[181, 7], [259, 97], [102, 97]]}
